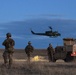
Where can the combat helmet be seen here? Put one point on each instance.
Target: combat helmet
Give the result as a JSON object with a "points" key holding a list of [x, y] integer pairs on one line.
{"points": [[29, 42], [50, 44], [8, 34]]}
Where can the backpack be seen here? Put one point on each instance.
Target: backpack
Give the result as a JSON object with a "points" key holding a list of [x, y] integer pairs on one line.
{"points": [[29, 49], [10, 48]]}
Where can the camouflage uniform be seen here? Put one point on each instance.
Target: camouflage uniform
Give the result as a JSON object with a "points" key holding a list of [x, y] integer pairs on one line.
{"points": [[9, 49], [29, 49], [50, 52]]}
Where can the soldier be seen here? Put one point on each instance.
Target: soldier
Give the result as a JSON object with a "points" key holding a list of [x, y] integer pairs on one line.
{"points": [[29, 49], [50, 52], [9, 49]]}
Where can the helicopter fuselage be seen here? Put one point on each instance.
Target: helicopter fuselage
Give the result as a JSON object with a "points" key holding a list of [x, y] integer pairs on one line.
{"points": [[48, 33]]}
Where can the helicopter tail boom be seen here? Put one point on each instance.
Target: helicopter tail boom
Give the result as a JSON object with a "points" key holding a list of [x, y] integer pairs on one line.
{"points": [[32, 32]]}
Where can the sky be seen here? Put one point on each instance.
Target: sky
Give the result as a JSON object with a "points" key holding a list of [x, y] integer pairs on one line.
{"points": [[18, 16], [17, 10]]}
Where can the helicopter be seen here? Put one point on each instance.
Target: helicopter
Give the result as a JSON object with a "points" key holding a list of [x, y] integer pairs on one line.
{"points": [[50, 33]]}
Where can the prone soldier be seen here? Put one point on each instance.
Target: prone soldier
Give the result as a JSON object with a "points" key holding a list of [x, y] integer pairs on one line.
{"points": [[29, 49], [9, 49]]}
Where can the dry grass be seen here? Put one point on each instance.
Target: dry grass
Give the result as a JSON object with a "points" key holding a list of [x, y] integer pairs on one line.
{"points": [[39, 68], [36, 68]]}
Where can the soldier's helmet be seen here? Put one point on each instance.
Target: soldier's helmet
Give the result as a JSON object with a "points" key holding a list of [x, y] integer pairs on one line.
{"points": [[29, 42], [8, 34], [50, 44]]}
